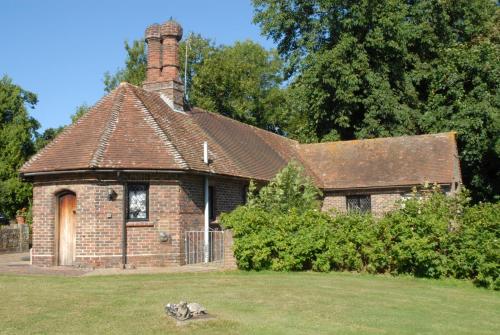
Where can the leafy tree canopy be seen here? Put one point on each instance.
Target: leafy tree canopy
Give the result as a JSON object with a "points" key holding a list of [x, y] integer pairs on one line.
{"points": [[135, 67], [241, 81], [79, 112], [362, 69], [199, 49], [289, 189], [49, 134], [17, 131]]}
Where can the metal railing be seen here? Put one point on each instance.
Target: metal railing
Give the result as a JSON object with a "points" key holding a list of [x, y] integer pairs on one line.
{"points": [[194, 245]]}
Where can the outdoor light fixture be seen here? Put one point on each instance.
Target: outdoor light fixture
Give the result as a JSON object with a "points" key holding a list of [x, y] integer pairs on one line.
{"points": [[111, 194]]}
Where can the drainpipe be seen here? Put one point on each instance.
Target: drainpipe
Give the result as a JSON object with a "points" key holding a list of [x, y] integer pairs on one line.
{"points": [[124, 226], [207, 202]]}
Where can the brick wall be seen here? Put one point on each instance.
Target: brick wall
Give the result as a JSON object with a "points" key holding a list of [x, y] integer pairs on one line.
{"points": [[99, 223], [228, 195], [176, 204], [333, 202], [382, 201], [229, 259]]}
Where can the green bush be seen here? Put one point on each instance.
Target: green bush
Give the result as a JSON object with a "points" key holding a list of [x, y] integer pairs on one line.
{"points": [[289, 189], [287, 242], [281, 227], [355, 243], [477, 246], [420, 234], [431, 235]]}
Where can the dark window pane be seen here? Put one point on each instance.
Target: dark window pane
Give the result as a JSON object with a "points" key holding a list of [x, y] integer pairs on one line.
{"points": [[211, 203], [359, 203], [137, 202]]}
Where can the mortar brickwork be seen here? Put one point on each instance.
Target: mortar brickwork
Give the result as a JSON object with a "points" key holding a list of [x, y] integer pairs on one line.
{"points": [[175, 206], [382, 200], [381, 203]]}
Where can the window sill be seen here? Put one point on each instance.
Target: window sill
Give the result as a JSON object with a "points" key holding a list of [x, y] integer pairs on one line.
{"points": [[140, 224]]}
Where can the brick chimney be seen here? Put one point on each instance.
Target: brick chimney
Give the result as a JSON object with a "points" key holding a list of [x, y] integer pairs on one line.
{"points": [[163, 62]]}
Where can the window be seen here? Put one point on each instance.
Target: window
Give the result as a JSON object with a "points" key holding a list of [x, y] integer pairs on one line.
{"points": [[138, 202], [359, 203], [211, 202]]}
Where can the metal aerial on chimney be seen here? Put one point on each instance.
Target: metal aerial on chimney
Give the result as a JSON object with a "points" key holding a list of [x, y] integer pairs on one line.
{"points": [[186, 95]]}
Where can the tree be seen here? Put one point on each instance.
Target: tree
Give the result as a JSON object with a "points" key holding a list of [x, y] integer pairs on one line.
{"points": [[79, 112], [362, 69], [17, 131], [49, 134], [242, 82], [464, 96], [199, 49], [135, 67]]}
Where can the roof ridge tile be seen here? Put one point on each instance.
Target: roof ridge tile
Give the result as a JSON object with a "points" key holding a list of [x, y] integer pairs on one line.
{"points": [[255, 128], [387, 138], [108, 130], [153, 123]]}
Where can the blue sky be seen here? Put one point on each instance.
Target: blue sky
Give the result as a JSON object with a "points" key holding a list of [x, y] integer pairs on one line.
{"points": [[61, 49]]}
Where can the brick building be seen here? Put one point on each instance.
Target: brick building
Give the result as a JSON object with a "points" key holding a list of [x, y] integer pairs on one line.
{"points": [[125, 182]]}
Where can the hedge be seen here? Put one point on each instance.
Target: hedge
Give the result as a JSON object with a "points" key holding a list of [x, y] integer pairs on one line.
{"points": [[435, 236]]}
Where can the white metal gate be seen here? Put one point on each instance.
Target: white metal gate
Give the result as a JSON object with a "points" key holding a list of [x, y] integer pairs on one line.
{"points": [[195, 249]]}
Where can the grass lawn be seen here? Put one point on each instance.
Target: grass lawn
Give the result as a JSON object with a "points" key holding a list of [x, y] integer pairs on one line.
{"points": [[247, 303]]}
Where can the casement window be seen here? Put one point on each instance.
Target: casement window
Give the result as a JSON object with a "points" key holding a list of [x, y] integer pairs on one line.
{"points": [[137, 202], [358, 203], [211, 202]]}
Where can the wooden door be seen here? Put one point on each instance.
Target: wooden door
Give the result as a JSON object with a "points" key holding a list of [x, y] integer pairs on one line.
{"points": [[67, 229]]}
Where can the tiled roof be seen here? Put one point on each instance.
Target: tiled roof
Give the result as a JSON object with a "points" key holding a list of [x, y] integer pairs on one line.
{"points": [[135, 129], [384, 162]]}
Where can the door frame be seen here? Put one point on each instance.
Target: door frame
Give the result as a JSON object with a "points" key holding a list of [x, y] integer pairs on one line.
{"points": [[57, 229]]}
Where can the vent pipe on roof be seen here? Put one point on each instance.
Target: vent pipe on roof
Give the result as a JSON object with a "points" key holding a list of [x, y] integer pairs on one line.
{"points": [[205, 152]]}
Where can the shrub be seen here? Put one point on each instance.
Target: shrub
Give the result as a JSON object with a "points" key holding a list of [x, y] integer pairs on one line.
{"points": [[420, 234], [355, 243], [477, 246], [286, 242], [281, 227], [289, 189], [432, 235]]}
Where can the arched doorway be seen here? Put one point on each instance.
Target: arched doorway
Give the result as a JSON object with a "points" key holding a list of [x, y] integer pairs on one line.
{"points": [[67, 228]]}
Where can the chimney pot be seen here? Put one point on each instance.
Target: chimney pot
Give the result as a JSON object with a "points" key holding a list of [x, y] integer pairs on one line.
{"points": [[153, 71], [153, 31], [171, 29], [163, 62]]}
